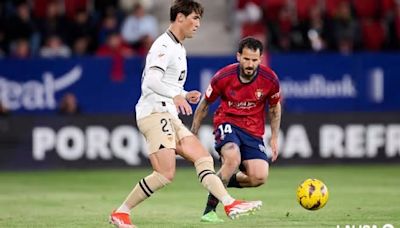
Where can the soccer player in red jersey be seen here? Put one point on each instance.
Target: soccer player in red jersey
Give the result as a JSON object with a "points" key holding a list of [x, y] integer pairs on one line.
{"points": [[244, 89]]}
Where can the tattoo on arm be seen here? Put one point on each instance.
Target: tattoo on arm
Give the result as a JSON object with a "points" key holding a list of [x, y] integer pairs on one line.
{"points": [[275, 118], [200, 113]]}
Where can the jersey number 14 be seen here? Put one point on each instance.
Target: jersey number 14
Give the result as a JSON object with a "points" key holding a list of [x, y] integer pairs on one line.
{"points": [[225, 129]]}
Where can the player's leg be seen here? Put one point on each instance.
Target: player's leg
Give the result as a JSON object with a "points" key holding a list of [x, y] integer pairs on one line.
{"points": [[255, 174], [230, 157], [255, 163], [163, 163], [191, 149], [160, 138]]}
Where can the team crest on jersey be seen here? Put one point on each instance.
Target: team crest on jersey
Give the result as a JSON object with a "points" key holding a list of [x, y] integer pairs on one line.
{"points": [[259, 94]]}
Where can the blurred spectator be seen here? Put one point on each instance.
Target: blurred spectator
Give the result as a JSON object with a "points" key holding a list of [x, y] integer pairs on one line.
{"points": [[303, 8], [272, 9], [73, 7], [39, 8], [102, 6], [315, 30], [21, 25], [139, 29], [114, 45], [68, 7], [373, 33], [388, 7], [117, 50], [81, 47], [54, 47], [128, 5], [283, 25], [3, 41], [346, 29], [394, 29], [366, 8], [281, 31], [3, 110], [69, 105], [81, 27], [331, 7], [109, 24], [249, 16], [20, 49], [55, 21]]}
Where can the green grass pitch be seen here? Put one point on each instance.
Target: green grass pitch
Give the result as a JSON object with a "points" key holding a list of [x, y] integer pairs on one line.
{"points": [[359, 195]]}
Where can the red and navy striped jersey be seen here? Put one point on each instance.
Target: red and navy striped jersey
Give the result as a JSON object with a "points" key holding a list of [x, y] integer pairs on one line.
{"points": [[243, 104]]}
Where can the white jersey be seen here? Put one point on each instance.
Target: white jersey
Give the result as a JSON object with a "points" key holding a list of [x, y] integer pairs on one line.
{"points": [[167, 55]]}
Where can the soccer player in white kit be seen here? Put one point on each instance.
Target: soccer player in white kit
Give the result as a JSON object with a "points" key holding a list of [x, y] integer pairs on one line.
{"points": [[163, 98]]}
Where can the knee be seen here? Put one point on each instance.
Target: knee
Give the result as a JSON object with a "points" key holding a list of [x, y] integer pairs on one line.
{"points": [[231, 156], [168, 174], [228, 168], [258, 180]]}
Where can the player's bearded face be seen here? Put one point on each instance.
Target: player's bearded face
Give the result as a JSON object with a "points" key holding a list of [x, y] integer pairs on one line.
{"points": [[249, 60]]}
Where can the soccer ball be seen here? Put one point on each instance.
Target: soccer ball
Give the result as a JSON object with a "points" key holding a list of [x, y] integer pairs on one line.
{"points": [[312, 194]]}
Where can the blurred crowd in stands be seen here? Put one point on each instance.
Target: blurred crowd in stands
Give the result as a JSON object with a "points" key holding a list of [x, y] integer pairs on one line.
{"points": [[67, 28], [322, 25]]}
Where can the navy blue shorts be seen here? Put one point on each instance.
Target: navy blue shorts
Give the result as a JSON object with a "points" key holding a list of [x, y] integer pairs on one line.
{"points": [[250, 147]]}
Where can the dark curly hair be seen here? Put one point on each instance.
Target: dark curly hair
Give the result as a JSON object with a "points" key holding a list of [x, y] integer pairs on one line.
{"points": [[250, 43]]}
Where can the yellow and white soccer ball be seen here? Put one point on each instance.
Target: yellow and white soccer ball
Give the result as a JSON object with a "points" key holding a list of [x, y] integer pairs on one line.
{"points": [[312, 194]]}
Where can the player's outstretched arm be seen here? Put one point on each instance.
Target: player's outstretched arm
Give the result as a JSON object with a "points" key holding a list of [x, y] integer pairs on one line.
{"points": [[200, 113], [275, 118]]}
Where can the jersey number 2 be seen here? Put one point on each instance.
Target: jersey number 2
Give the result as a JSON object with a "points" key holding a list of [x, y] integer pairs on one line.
{"points": [[165, 126]]}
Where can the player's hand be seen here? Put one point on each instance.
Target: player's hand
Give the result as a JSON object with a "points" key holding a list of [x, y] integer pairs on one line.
{"points": [[193, 96], [182, 106], [273, 143]]}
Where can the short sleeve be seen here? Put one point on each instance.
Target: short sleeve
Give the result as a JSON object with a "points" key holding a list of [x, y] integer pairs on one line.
{"points": [[212, 92], [159, 57], [275, 93]]}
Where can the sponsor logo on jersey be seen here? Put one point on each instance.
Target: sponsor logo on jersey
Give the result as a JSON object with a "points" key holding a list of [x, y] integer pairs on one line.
{"points": [[242, 104]]}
